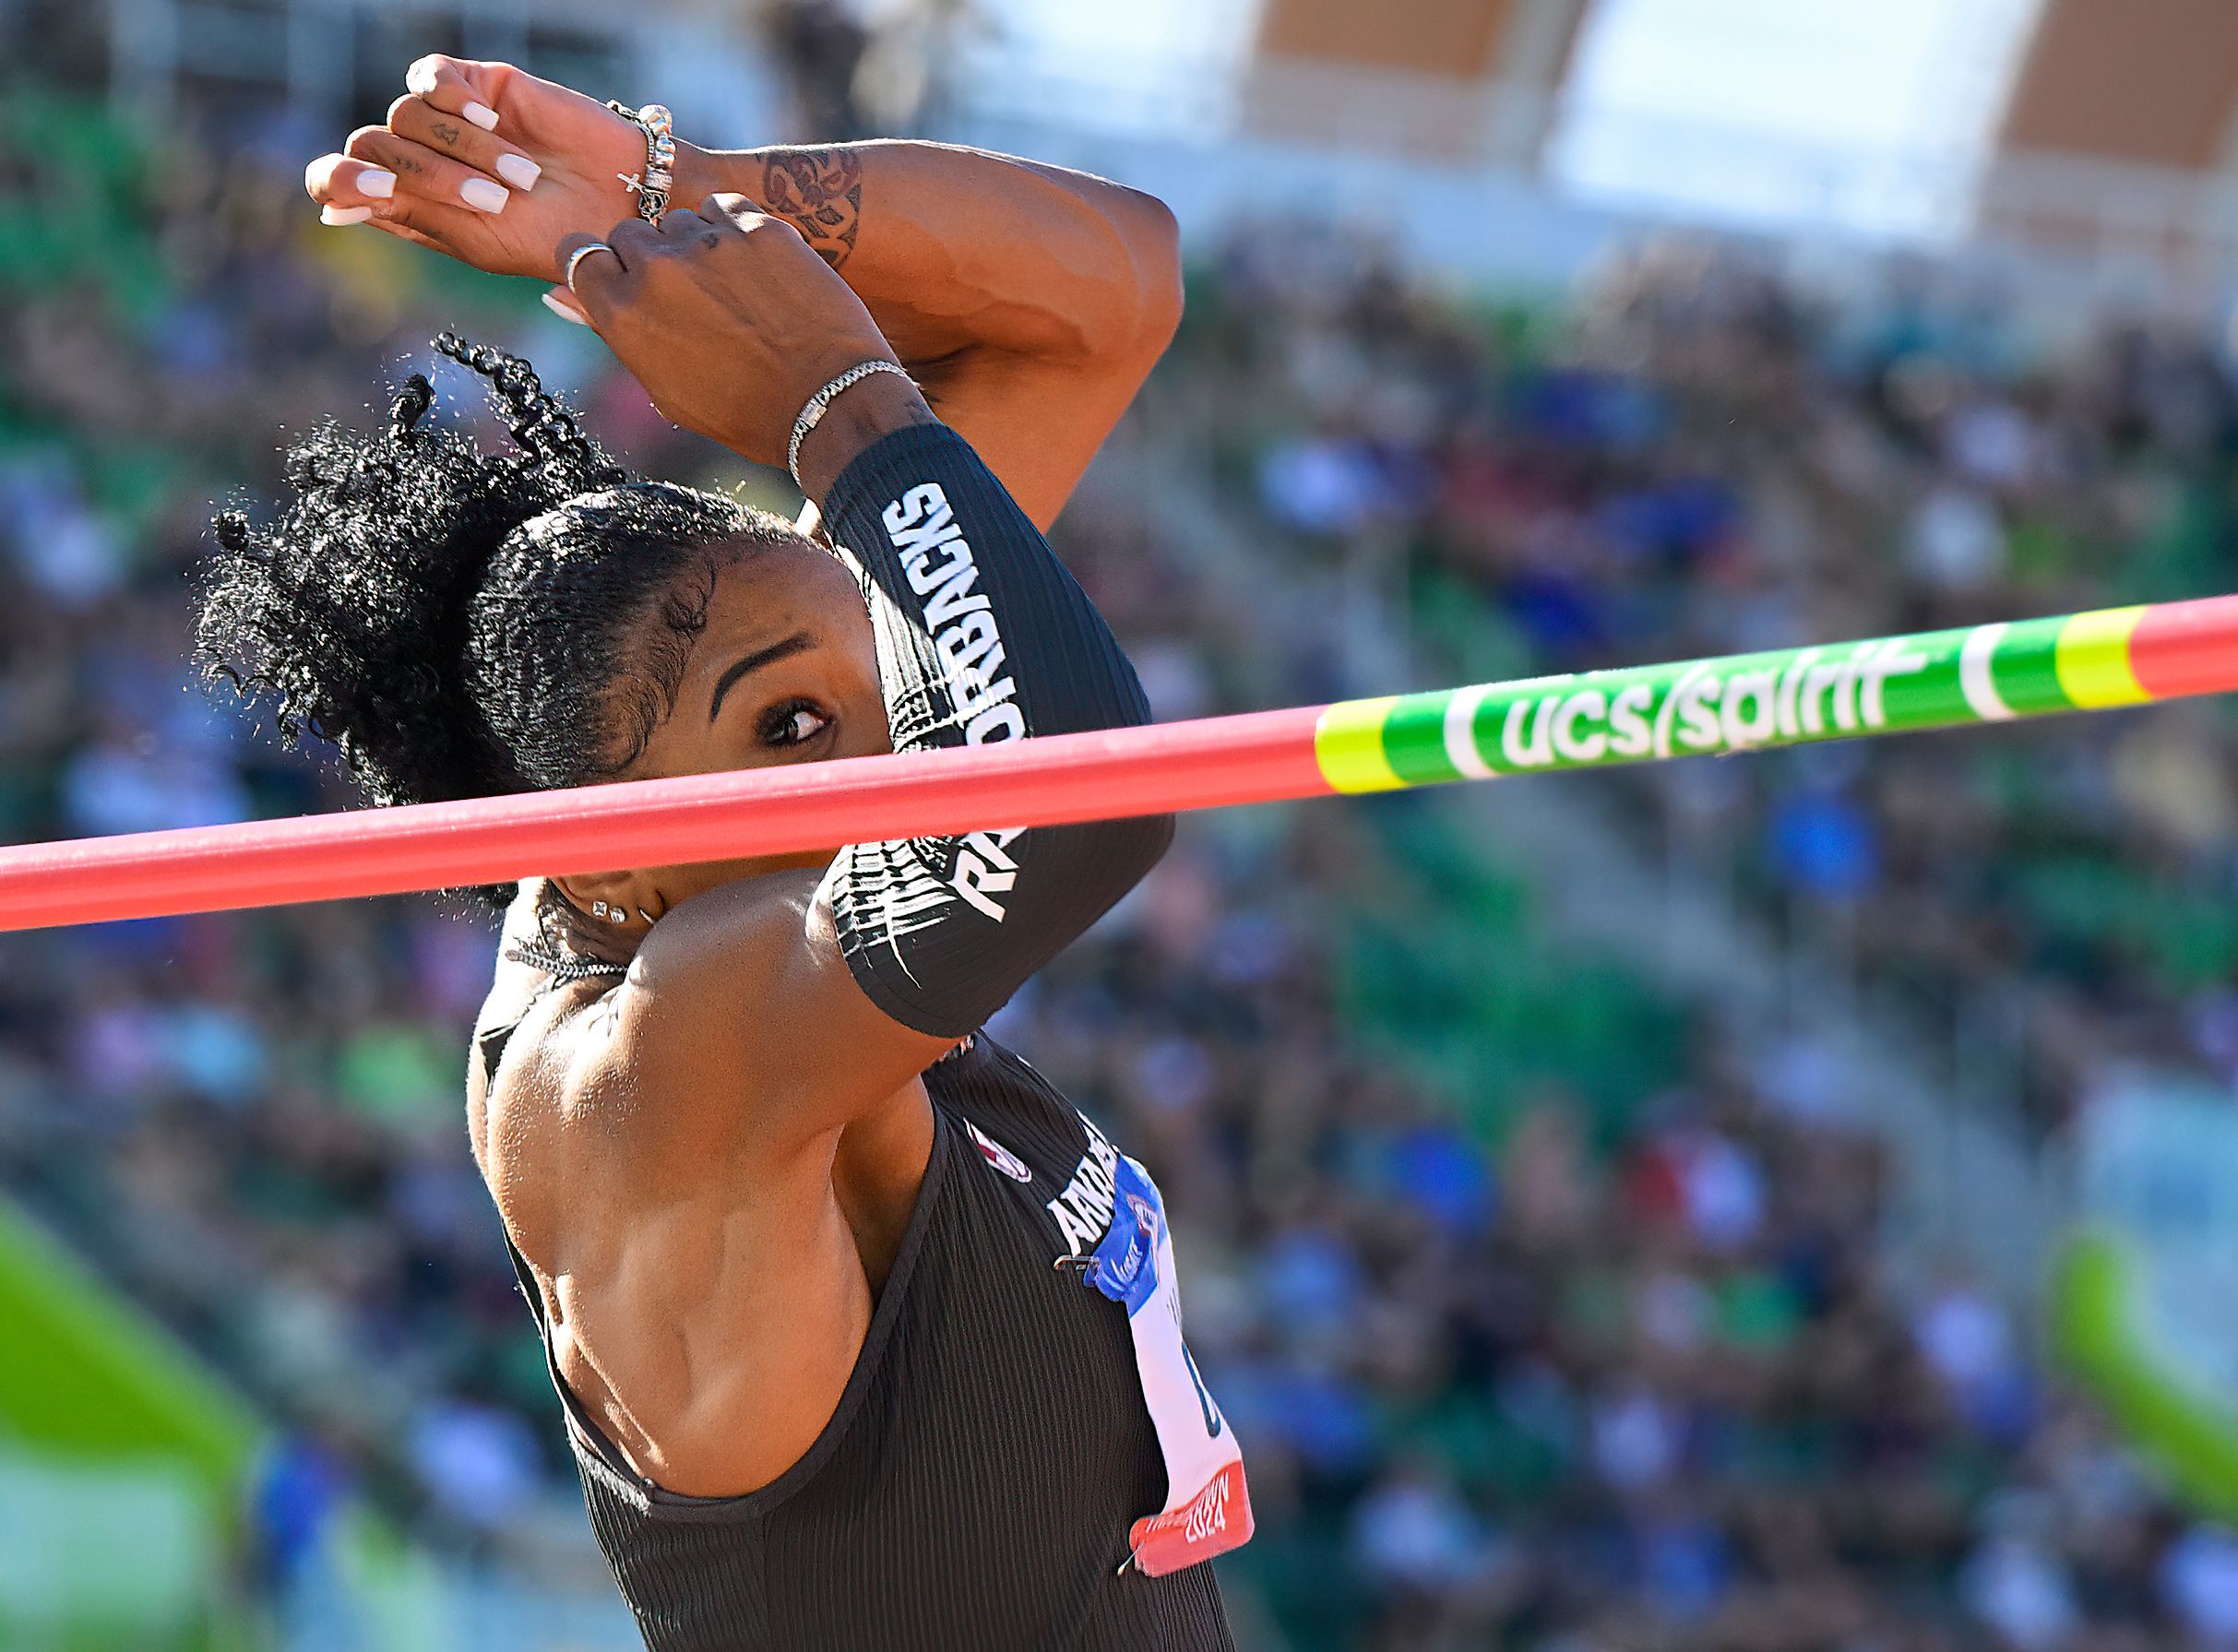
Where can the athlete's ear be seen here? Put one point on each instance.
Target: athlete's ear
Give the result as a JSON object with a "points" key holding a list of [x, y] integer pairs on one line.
{"points": [[627, 899]]}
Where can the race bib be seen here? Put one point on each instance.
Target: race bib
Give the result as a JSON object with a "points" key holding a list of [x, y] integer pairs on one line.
{"points": [[1208, 1505]]}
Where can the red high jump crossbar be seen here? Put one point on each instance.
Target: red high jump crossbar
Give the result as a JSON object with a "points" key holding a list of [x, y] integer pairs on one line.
{"points": [[1981, 674], [1066, 778]]}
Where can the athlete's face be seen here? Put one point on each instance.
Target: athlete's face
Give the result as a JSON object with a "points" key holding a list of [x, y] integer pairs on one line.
{"points": [[785, 670]]}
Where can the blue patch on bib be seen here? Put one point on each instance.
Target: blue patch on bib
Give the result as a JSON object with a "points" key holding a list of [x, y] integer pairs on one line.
{"points": [[1125, 1265]]}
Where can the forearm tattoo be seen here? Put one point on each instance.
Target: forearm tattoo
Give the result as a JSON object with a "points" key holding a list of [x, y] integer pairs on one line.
{"points": [[819, 193]]}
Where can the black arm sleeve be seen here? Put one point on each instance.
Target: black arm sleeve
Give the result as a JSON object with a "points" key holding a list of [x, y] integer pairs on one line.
{"points": [[982, 636]]}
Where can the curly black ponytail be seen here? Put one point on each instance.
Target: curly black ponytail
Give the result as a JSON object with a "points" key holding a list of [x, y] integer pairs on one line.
{"points": [[460, 624]]}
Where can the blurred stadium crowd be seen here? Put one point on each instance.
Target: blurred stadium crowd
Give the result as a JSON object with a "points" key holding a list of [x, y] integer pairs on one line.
{"points": [[1598, 1356], [1701, 458]]}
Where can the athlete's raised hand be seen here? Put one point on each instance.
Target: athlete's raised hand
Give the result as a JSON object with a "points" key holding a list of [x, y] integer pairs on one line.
{"points": [[729, 319], [486, 162]]}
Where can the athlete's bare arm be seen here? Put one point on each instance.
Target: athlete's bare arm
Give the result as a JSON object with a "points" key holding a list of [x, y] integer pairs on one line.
{"points": [[730, 320], [1029, 301], [709, 1164]]}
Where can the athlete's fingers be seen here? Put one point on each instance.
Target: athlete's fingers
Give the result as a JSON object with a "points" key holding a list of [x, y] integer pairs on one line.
{"points": [[634, 242], [565, 305], [737, 213], [418, 121], [592, 272], [732, 210], [424, 174], [346, 191], [355, 192], [456, 86], [680, 223]]}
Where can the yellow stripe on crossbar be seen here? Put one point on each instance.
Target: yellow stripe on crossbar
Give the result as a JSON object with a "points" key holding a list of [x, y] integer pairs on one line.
{"points": [[2093, 659], [1348, 743]]}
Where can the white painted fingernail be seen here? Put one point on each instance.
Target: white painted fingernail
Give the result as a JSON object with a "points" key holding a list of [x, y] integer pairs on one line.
{"points": [[375, 182], [420, 79], [483, 115], [340, 216], [564, 310], [520, 172], [483, 195]]}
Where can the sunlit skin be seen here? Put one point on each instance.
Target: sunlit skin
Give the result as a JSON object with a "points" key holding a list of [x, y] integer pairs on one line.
{"points": [[786, 671], [708, 1162], [708, 1167], [669, 1313], [1029, 301]]}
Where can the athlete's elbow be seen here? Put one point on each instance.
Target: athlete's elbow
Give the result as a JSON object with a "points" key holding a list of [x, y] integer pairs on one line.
{"points": [[1117, 307], [1153, 243], [1132, 849]]}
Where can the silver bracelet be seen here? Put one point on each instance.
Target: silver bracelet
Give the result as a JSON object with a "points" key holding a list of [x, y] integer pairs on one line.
{"points": [[814, 412], [653, 185]]}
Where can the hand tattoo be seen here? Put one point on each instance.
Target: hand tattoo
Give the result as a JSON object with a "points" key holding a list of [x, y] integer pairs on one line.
{"points": [[819, 193], [445, 133]]}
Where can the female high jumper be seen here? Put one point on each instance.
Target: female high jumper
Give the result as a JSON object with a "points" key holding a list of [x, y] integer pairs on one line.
{"points": [[865, 1337]]}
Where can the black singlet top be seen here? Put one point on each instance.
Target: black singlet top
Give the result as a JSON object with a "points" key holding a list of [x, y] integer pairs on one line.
{"points": [[973, 1491]]}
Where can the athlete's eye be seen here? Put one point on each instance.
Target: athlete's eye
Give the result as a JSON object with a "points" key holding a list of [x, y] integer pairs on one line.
{"points": [[792, 723]]}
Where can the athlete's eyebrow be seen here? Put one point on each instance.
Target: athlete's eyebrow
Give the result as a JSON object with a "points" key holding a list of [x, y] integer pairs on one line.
{"points": [[755, 661]]}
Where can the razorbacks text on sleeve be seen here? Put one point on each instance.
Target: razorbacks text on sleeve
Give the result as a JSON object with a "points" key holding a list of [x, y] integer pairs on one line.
{"points": [[982, 636]]}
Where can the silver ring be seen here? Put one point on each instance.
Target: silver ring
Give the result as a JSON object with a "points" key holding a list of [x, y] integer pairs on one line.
{"points": [[577, 256]]}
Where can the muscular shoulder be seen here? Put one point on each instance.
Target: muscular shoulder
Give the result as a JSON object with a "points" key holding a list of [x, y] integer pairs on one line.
{"points": [[735, 1044], [750, 976], [650, 1071]]}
